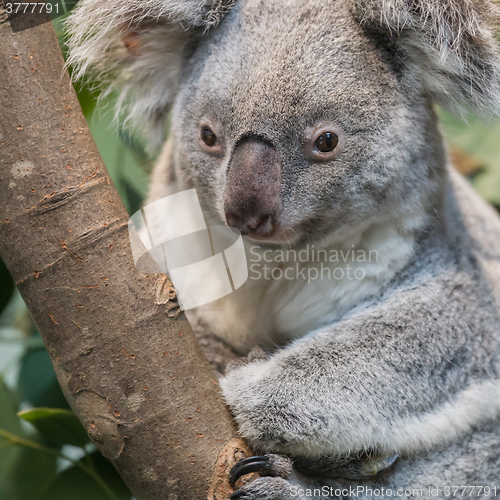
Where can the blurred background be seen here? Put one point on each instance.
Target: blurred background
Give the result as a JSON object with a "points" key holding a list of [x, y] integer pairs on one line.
{"points": [[44, 452]]}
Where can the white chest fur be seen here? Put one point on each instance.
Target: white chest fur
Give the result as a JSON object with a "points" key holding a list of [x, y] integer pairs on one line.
{"points": [[290, 293]]}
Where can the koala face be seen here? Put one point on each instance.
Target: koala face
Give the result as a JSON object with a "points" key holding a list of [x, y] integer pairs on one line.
{"points": [[296, 121], [300, 128]]}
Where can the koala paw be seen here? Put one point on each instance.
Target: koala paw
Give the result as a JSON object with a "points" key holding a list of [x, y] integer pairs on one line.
{"points": [[266, 465], [266, 488]]}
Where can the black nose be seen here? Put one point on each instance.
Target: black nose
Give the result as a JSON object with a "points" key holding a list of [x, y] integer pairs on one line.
{"points": [[253, 190], [260, 226]]}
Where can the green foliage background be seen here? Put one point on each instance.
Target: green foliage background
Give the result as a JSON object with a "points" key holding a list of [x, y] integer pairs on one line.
{"points": [[44, 452]]}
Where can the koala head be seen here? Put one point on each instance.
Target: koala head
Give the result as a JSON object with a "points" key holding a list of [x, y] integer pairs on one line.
{"points": [[296, 121]]}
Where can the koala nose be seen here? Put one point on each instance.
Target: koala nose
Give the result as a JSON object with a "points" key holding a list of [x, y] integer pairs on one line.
{"points": [[253, 191], [253, 225]]}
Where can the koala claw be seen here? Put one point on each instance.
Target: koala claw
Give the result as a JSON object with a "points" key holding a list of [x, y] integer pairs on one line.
{"points": [[373, 467], [238, 495], [247, 466]]}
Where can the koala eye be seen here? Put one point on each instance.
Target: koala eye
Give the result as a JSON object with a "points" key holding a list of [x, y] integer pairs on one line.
{"points": [[209, 141], [327, 142], [324, 142], [208, 136]]}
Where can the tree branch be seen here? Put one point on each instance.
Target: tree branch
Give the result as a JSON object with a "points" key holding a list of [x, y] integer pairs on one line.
{"points": [[136, 378]]}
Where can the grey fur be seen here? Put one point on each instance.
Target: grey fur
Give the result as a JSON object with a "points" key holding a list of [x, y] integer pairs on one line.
{"points": [[406, 360]]}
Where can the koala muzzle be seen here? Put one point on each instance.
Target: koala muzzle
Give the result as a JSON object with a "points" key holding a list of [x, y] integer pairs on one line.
{"points": [[253, 191]]}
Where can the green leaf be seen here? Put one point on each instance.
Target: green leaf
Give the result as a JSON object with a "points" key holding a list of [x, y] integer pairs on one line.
{"points": [[75, 484], [69, 4], [31, 473], [59, 426], [9, 421], [37, 381]]}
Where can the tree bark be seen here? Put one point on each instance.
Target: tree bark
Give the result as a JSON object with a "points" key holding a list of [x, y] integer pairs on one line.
{"points": [[135, 377]]}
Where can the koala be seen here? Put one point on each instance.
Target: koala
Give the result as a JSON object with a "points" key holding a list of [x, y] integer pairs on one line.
{"points": [[311, 126]]}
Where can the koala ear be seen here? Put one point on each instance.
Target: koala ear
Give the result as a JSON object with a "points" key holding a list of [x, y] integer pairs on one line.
{"points": [[448, 47], [135, 48]]}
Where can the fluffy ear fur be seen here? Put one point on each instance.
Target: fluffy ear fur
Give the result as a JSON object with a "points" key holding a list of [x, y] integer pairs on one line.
{"points": [[448, 47], [135, 47]]}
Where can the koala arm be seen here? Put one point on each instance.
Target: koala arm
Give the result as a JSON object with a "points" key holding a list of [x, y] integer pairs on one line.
{"points": [[402, 375]]}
